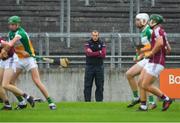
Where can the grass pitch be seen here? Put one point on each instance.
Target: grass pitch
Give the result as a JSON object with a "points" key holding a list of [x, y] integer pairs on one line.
{"points": [[88, 112]]}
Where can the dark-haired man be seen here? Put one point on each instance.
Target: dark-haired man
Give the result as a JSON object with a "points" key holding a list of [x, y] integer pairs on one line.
{"points": [[95, 51]]}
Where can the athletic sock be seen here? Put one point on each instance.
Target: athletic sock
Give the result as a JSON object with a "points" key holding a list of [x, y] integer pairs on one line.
{"points": [[135, 95], [151, 99], [6, 102], [143, 102], [164, 97], [19, 98], [26, 96], [49, 100]]}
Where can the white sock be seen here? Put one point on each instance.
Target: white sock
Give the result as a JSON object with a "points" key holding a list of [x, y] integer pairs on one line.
{"points": [[52, 104], [167, 98], [27, 97], [152, 103]]}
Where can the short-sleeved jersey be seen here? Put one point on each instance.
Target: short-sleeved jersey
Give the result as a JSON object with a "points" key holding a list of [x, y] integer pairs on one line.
{"points": [[24, 44], [159, 57], [146, 38]]}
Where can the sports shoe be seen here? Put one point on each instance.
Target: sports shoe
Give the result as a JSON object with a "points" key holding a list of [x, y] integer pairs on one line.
{"points": [[31, 101], [6, 107], [141, 109], [52, 106], [38, 100], [19, 107], [133, 103], [166, 104], [152, 106]]}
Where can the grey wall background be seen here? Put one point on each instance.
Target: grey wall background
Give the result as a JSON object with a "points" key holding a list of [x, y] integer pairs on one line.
{"points": [[67, 85]]}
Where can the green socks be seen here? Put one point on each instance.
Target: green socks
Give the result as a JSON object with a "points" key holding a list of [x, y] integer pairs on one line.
{"points": [[151, 99], [135, 94], [49, 100]]}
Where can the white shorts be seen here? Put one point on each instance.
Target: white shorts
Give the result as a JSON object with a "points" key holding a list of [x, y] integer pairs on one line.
{"points": [[9, 63], [153, 69], [27, 63], [143, 62]]}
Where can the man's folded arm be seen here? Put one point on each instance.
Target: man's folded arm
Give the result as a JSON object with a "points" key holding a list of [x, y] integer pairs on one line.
{"points": [[91, 54]]}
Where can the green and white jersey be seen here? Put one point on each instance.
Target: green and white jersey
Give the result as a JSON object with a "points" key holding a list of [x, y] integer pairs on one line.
{"points": [[146, 35], [146, 39], [24, 44]]}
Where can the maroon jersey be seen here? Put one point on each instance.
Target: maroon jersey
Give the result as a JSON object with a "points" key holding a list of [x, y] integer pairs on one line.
{"points": [[11, 51], [159, 57]]}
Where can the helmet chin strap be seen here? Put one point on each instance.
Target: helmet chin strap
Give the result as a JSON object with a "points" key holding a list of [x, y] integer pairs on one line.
{"points": [[142, 27], [154, 24], [144, 23]]}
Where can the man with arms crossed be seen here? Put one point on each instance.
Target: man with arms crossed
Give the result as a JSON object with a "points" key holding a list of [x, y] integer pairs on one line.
{"points": [[95, 51]]}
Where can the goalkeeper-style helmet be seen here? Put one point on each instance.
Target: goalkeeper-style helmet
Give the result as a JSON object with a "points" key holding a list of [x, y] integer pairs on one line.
{"points": [[14, 20]]}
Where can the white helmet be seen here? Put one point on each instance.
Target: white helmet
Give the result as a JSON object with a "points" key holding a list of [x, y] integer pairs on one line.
{"points": [[144, 17]]}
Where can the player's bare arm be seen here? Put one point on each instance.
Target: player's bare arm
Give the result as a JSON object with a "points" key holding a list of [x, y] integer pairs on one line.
{"points": [[24, 53], [168, 47], [12, 42], [143, 50]]}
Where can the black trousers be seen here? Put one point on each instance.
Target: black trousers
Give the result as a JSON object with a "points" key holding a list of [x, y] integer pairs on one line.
{"points": [[94, 72]]}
